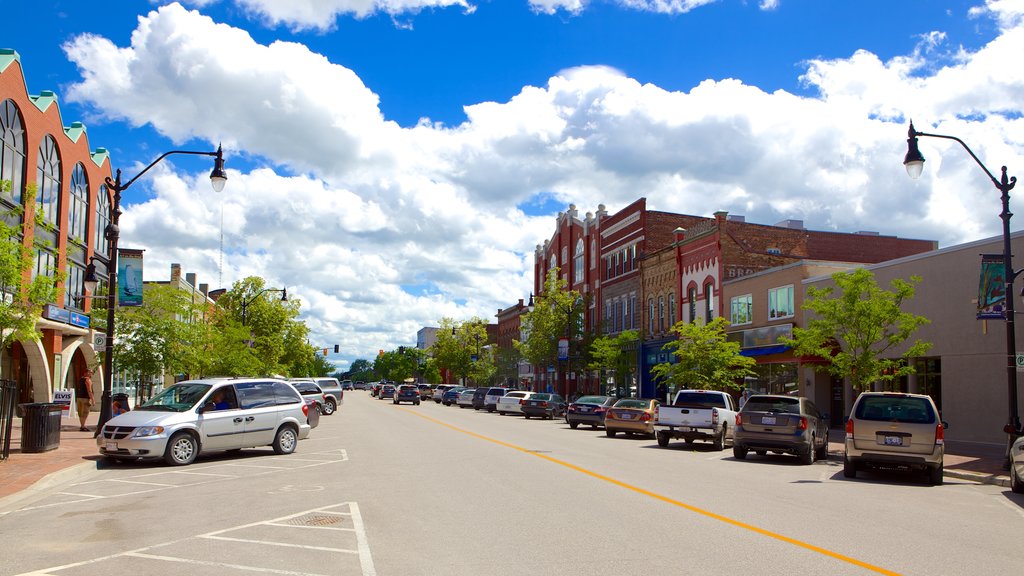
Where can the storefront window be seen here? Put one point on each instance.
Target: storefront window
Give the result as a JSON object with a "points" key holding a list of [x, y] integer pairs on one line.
{"points": [[929, 378], [779, 378]]}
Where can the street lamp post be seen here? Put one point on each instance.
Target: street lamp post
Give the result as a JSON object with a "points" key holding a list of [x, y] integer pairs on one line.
{"points": [[245, 303], [217, 179], [914, 163]]}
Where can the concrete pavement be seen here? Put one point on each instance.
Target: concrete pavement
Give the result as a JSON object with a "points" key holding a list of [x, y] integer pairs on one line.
{"points": [[24, 474]]}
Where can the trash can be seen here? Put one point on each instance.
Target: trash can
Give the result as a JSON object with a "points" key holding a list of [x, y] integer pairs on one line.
{"points": [[40, 426], [119, 404]]}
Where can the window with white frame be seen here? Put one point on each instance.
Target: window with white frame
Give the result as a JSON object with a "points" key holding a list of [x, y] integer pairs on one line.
{"points": [[577, 262], [632, 312], [780, 302], [593, 253], [661, 313], [709, 302], [741, 309], [672, 309], [650, 315], [625, 314], [691, 304]]}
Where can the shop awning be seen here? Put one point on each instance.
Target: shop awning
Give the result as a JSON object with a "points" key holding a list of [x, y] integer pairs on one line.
{"points": [[764, 350]]}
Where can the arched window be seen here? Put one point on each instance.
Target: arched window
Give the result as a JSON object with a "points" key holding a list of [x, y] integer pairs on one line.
{"points": [[661, 313], [577, 262], [48, 181], [709, 302], [78, 207], [650, 316], [12, 152], [672, 309], [102, 219], [691, 296]]}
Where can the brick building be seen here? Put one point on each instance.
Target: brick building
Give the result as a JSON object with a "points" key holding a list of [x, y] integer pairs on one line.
{"points": [[50, 168], [511, 371]]}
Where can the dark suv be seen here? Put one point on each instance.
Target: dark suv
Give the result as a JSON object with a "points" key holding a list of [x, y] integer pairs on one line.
{"points": [[407, 393]]}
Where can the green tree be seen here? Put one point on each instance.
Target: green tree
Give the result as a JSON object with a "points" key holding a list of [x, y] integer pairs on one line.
{"points": [[361, 370], [21, 303], [615, 355], [857, 326], [456, 346], [705, 358], [556, 314], [151, 338], [397, 365]]}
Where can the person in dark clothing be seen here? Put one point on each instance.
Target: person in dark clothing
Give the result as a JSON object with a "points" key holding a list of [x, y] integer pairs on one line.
{"points": [[83, 398]]}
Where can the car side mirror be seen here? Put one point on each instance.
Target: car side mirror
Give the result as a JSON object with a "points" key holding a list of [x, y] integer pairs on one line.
{"points": [[945, 425], [208, 407]]}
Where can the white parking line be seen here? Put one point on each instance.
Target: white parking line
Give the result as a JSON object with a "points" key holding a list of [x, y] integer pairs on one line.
{"points": [[220, 565]]}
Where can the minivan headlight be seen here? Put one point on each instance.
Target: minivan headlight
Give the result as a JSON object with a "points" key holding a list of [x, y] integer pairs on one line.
{"points": [[143, 431]]}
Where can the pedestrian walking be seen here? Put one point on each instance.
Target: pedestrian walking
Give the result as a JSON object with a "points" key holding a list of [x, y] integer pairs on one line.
{"points": [[83, 398]]}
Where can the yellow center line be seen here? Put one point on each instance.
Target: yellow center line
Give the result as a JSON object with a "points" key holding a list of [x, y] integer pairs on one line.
{"points": [[666, 499]]}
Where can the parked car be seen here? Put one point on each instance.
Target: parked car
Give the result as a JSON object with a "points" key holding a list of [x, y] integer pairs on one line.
{"points": [[312, 414], [895, 430], [781, 424], [479, 396], [357, 385], [544, 405], [492, 396], [375, 388], [451, 395], [439, 391], [347, 385], [697, 415], [589, 410], [426, 392], [512, 403], [198, 416], [312, 391], [632, 416], [465, 398], [407, 393], [1017, 466], [334, 396], [386, 391]]}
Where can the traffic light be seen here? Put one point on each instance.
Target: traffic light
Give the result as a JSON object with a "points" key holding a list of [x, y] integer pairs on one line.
{"points": [[336, 348], [325, 351]]}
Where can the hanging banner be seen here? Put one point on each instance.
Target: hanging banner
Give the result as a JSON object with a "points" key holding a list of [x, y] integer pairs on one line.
{"points": [[129, 275], [991, 287]]}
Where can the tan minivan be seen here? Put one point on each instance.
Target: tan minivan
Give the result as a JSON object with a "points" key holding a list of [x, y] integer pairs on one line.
{"points": [[895, 430]]}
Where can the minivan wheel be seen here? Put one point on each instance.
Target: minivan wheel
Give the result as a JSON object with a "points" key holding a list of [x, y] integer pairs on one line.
{"points": [[849, 468], [285, 440], [329, 407], [935, 475], [181, 450], [739, 452]]}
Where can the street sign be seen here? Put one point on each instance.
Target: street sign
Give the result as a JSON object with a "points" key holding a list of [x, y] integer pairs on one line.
{"points": [[99, 341], [1020, 362]]}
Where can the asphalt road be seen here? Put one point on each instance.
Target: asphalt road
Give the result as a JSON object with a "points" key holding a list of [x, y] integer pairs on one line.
{"points": [[407, 490]]}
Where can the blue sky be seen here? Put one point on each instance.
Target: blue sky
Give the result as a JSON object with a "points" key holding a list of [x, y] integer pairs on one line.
{"points": [[396, 161]]}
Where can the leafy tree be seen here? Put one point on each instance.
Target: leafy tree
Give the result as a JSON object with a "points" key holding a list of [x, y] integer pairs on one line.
{"points": [[556, 314], [397, 365], [614, 354], [318, 365], [705, 359], [152, 337], [21, 303], [429, 371], [457, 345], [361, 370], [856, 327]]}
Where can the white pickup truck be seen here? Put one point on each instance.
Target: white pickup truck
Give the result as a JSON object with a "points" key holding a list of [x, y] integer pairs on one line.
{"points": [[697, 415]]}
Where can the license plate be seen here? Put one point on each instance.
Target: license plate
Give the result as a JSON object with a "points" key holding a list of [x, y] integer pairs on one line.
{"points": [[111, 446], [584, 409], [768, 420], [626, 416], [893, 441]]}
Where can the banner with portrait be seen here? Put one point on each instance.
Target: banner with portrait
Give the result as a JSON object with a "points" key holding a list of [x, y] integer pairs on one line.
{"points": [[992, 287], [129, 277]]}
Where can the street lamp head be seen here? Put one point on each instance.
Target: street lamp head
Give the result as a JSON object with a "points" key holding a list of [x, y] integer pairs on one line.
{"points": [[913, 161], [531, 305], [90, 281], [284, 294], [218, 177]]}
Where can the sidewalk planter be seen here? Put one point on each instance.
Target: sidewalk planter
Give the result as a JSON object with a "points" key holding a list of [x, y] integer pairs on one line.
{"points": [[40, 427]]}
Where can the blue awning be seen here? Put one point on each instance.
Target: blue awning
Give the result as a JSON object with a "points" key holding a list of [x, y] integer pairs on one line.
{"points": [[764, 350]]}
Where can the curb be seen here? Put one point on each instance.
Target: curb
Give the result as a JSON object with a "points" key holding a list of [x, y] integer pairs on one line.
{"points": [[993, 479], [41, 486]]}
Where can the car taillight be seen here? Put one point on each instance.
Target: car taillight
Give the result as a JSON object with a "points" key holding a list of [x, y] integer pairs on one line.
{"points": [[600, 409], [572, 408], [803, 424], [940, 434], [305, 409], [520, 401], [849, 429], [714, 416], [739, 419], [645, 417], [656, 412], [543, 404]]}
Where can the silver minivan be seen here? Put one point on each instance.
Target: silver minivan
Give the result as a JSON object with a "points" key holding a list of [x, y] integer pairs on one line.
{"points": [[208, 415]]}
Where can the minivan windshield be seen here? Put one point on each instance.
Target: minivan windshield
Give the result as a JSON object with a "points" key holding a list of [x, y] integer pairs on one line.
{"points": [[177, 398]]}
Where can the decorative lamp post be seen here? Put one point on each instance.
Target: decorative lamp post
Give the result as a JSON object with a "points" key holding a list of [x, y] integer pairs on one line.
{"points": [[914, 163], [245, 303], [217, 179]]}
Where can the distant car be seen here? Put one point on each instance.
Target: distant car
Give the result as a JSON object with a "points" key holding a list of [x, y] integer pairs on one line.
{"points": [[631, 416], [589, 410], [465, 398], [439, 391], [544, 405], [426, 392], [1017, 466], [386, 391], [407, 393], [479, 396], [186, 418], [451, 395], [781, 424], [512, 403], [375, 388], [312, 391], [894, 430], [493, 395], [359, 385], [347, 385]]}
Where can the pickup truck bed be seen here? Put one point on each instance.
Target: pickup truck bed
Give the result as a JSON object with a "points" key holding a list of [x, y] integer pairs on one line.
{"points": [[708, 415]]}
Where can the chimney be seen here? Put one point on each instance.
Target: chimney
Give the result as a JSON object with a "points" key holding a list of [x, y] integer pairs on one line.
{"points": [[175, 272], [204, 288], [191, 279]]}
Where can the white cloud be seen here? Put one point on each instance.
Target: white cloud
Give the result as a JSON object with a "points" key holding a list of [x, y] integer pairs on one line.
{"points": [[322, 14], [380, 230]]}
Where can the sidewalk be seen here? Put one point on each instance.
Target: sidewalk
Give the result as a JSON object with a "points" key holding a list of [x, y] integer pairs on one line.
{"points": [[77, 453]]}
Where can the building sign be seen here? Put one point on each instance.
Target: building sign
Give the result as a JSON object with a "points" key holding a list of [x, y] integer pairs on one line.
{"points": [[80, 320], [129, 272], [56, 313], [66, 399], [991, 287], [563, 348], [764, 336]]}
